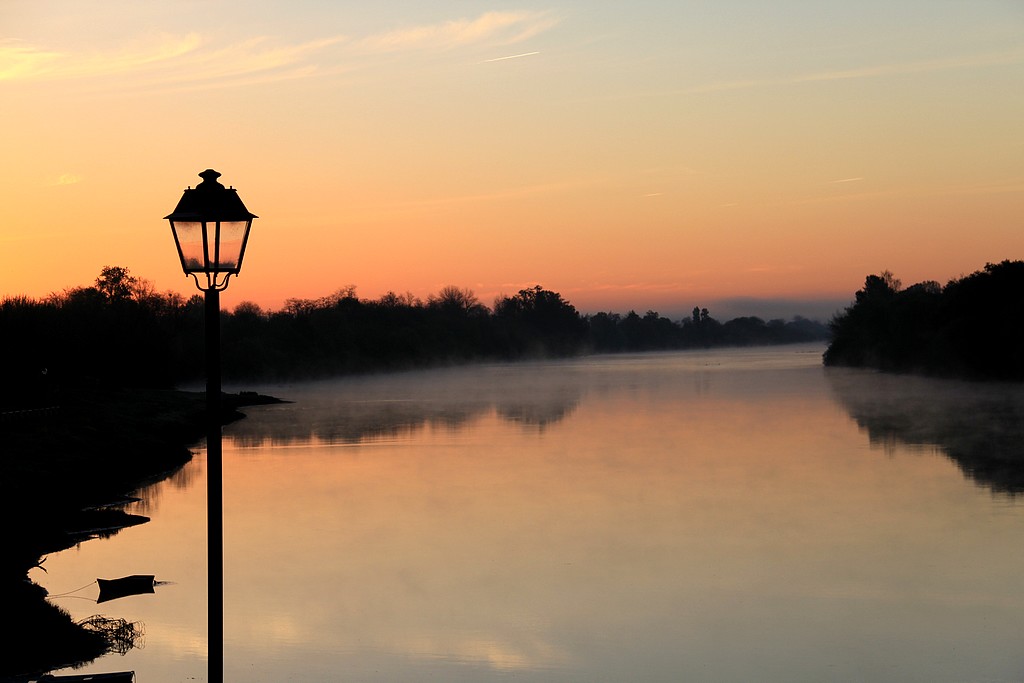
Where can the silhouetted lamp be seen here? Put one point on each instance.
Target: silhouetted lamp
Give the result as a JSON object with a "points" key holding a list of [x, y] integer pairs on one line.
{"points": [[211, 229]]}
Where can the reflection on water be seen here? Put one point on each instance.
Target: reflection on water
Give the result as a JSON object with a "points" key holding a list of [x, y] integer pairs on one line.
{"points": [[691, 516], [980, 426], [364, 408]]}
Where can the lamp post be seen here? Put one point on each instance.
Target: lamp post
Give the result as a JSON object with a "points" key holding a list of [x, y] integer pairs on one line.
{"points": [[211, 227]]}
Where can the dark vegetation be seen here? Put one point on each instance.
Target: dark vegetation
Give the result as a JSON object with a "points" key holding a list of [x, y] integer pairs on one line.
{"points": [[120, 332], [115, 441], [971, 328], [65, 476]]}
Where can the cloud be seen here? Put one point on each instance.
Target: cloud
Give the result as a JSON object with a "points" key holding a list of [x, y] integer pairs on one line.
{"points": [[875, 71], [195, 60], [501, 59], [159, 61], [67, 179], [640, 287], [420, 206], [503, 28], [253, 60], [959, 62], [21, 61]]}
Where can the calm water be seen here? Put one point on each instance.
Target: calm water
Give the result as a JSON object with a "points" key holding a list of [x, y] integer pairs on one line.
{"points": [[741, 515]]}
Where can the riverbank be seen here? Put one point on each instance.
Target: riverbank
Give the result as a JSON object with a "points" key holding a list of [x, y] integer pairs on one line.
{"points": [[63, 472]]}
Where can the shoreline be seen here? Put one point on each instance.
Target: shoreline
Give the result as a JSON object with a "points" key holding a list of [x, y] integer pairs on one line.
{"points": [[65, 474]]}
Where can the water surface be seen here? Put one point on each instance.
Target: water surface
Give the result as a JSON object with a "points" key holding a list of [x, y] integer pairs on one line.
{"points": [[728, 515]]}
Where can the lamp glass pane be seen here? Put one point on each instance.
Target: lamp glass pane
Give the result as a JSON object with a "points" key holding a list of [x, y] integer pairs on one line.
{"points": [[189, 236], [232, 240]]}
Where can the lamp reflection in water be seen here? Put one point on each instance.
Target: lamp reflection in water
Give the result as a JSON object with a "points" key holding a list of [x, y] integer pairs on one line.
{"points": [[211, 227]]}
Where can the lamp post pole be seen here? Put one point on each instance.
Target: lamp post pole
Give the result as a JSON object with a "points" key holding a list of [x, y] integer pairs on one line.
{"points": [[211, 227], [214, 490]]}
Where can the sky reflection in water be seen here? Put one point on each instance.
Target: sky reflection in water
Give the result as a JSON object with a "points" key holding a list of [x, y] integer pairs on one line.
{"points": [[697, 516]]}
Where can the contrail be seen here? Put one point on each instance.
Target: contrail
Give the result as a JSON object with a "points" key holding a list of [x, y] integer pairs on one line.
{"points": [[498, 59]]}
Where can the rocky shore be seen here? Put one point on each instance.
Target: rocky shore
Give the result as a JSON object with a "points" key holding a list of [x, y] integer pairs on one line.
{"points": [[63, 471]]}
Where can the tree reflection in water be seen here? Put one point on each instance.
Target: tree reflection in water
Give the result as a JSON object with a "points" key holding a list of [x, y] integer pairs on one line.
{"points": [[404, 404], [978, 425]]}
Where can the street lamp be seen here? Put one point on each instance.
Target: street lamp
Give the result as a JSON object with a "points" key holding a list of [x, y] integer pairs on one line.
{"points": [[211, 227]]}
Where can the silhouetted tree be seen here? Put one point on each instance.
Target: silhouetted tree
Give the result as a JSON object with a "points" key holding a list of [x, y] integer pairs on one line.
{"points": [[456, 300], [538, 321], [116, 283], [606, 333], [972, 327], [701, 330]]}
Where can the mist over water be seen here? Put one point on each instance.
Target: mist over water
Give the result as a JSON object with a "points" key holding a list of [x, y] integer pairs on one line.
{"points": [[722, 515]]}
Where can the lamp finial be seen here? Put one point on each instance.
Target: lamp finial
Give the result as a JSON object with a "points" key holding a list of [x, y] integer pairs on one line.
{"points": [[210, 176]]}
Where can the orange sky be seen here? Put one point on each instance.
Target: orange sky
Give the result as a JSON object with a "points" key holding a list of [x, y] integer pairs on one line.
{"points": [[644, 155]]}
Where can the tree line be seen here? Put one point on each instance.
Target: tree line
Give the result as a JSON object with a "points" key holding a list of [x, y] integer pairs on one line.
{"points": [[121, 332], [973, 327]]}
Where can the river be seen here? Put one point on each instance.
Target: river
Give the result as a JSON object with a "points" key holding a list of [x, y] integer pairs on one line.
{"points": [[724, 515]]}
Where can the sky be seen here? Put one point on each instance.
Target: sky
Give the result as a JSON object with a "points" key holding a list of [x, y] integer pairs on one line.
{"points": [[749, 157]]}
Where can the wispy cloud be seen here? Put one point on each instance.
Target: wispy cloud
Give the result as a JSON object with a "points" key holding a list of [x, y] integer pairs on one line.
{"points": [[161, 59], [19, 60], [502, 59], [959, 62], [22, 61], [196, 60], [1006, 186], [844, 180], [632, 287], [498, 195], [1012, 186], [67, 179], [762, 268], [1015, 56], [502, 28]]}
